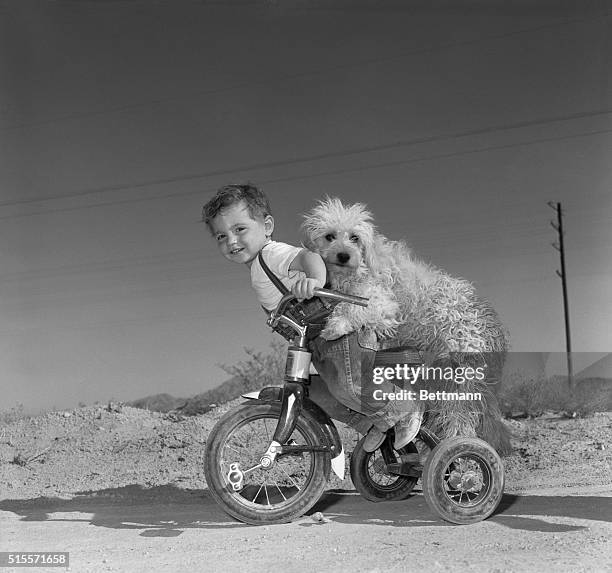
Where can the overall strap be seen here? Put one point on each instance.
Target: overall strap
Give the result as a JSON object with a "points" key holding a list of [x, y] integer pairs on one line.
{"points": [[275, 280]]}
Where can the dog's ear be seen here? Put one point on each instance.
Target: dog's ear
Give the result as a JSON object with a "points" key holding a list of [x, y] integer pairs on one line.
{"points": [[378, 257]]}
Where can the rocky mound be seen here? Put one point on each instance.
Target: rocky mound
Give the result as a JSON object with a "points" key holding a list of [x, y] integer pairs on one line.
{"points": [[96, 448]]}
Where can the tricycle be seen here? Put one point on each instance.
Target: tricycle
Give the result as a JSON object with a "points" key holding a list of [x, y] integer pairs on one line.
{"points": [[268, 460]]}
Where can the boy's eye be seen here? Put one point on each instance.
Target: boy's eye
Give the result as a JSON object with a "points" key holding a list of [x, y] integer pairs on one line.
{"points": [[330, 237], [354, 239], [220, 238]]}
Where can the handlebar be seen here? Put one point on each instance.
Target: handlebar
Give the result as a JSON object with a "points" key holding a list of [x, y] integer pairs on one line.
{"points": [[333, 295], [277, 314], [324, 293]]}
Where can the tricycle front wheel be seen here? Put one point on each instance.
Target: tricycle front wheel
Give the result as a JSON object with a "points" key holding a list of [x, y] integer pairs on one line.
{"points": [[463, 480], [276, 495]]}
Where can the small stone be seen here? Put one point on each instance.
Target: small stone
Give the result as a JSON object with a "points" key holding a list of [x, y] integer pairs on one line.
{"points": [[318, 517]]}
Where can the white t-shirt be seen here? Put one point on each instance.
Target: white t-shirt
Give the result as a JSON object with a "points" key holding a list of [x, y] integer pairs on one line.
{"points": [[278, 257]]}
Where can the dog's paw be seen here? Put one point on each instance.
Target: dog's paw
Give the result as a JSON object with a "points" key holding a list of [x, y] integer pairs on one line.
{"points": [[386, 329], [386, 332], [336, 327], [385, 324]]}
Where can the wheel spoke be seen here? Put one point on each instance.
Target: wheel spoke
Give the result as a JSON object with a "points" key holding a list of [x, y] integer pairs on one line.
{"points": [[292, 480], [245, 472], [232, 448], [266, 427], [253, 500], [280, 491]]}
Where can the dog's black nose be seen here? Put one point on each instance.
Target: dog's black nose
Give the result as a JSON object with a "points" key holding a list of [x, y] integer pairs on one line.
{"points": [[343, 258]]}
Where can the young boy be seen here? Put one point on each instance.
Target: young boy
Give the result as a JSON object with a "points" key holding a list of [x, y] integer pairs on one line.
{"points": [[240, 220]]}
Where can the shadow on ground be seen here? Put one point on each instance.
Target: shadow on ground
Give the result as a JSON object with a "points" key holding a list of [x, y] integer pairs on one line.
{"points": [[165, 511]]}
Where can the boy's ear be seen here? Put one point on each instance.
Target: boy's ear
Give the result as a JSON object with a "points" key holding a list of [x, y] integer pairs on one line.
{"points": [[269, 225], [307, 243]]}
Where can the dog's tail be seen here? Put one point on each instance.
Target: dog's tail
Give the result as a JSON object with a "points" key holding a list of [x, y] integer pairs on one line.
{"points": [[448, 420], [470, 418], [492, 428]]}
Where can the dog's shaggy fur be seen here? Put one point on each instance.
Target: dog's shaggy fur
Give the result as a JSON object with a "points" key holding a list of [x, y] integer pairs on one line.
{"points": [[413, 304]]}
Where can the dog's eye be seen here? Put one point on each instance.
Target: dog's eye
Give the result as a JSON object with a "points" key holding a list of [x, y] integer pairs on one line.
{"points": [[330, 237], [354, 239]]}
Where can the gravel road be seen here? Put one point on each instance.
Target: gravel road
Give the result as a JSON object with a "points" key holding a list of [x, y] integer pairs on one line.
{"points": [[137, 529], [123, 490]]}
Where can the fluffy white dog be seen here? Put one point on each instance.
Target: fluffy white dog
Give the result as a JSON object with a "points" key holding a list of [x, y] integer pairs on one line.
{"points": [[412, 304], [344, 237]]}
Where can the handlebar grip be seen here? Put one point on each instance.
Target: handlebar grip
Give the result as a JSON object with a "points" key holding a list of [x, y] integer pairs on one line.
{"points": [[353, 299]]}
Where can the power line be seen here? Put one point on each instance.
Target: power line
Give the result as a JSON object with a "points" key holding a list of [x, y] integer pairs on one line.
{"points": [[174, 259], [148, 318], [303, 75], [478, 239], [317, 157], [448, 231], [318, 174]]}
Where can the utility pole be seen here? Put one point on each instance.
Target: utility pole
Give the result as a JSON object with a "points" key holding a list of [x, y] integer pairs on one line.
{"points": [[558, 226]]}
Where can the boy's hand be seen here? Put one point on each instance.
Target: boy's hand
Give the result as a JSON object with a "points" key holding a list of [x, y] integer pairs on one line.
{"points": [[304, 288]]}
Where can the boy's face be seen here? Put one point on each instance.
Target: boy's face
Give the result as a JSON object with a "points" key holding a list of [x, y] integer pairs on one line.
{"points": [[239, 236]]}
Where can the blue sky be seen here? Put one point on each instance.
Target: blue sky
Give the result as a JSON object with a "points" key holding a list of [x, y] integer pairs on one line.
{"points": [[118, 120]]}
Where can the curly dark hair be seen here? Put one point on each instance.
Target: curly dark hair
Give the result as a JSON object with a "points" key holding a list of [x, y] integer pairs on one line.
{"points": [[255, 199]]}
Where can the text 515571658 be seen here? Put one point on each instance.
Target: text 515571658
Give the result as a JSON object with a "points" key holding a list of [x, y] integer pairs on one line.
{"points": [[34, 559]]}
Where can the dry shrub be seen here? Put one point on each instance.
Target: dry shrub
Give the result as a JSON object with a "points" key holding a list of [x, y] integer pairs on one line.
{"points": [[521, 395], [261, 368], [13, 415], [525, 395], [591, 395]]}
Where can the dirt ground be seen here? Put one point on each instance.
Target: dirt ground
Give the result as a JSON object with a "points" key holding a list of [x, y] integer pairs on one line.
{"points": [[123, 489]]}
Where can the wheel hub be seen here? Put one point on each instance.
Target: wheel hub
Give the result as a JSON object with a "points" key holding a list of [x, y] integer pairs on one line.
{"points": [[468, 481]]}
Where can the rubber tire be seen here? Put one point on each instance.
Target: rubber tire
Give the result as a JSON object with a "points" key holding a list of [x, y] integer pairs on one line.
{"points": [[300, 503], [433, 485], [370, 490]]}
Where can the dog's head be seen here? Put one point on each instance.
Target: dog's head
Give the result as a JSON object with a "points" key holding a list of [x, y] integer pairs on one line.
{"points": [[343, 235]]}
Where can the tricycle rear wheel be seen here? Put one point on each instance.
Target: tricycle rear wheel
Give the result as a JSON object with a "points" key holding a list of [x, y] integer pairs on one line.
{"points": [[463, 480], [371, 478]]}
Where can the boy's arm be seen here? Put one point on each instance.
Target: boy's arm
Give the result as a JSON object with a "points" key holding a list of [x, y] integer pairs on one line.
{"points": [[313, 266]]}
